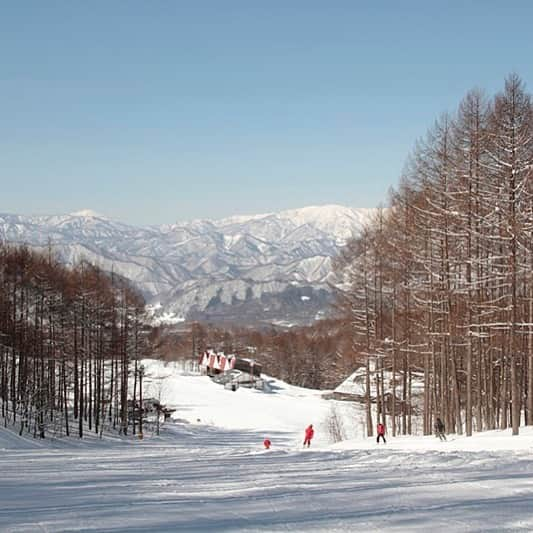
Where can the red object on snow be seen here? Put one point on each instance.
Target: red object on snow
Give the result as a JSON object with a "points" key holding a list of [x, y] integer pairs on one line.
{"points": [[309, 432], [267, 443], [381, 429]]}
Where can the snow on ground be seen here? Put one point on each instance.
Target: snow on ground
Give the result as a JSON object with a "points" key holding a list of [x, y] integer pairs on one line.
{"points": [[356, 382], [199, 400], [214, 475]]}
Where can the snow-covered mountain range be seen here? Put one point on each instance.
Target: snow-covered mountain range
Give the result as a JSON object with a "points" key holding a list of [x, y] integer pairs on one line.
{"points": [[270, 267]]}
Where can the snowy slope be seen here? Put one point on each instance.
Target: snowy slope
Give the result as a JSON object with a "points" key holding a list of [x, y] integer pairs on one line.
{"points": [[214, 475], [196, 398]]}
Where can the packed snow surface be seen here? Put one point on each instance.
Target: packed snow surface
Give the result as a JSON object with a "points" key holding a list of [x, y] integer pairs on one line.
{"points": [[208, 471]]}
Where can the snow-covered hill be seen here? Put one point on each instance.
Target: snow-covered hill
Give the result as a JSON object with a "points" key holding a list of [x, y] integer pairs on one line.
{"points": [[208, 471], [255, 267]]}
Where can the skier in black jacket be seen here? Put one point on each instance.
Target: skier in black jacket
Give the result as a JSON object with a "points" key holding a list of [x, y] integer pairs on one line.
{"points": [[439, 429]]}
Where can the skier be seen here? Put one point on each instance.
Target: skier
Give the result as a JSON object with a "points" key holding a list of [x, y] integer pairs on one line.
{"points": [[381, 433], [439, 429], [309, 432], [267, 443]]}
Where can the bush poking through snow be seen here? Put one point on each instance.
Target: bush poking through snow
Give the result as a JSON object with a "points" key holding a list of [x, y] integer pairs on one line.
{"points": [[334, 425]]}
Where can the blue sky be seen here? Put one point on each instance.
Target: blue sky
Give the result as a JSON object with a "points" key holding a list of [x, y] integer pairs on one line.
{"points": [[157, 111]]}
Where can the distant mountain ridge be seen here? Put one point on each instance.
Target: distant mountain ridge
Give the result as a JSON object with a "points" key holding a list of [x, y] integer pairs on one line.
{"points": [[269, 267]]}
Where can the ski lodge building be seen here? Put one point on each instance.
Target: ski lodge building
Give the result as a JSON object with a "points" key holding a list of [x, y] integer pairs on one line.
{"points": [[213, 363], [232, 371]]}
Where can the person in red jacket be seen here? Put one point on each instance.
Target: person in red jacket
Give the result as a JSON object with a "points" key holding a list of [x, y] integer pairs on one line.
{"points": [[267, 443], [381, 433], [309, 432]]}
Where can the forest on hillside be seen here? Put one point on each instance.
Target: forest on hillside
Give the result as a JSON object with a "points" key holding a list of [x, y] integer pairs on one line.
{"points": [[70, 344], [441, 280]]}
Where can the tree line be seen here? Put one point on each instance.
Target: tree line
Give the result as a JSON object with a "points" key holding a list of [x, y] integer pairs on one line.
{"points": [[440, 282], [70, 344], [306, 356]]}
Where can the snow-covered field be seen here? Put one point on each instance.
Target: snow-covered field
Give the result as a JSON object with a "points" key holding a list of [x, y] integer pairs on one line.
{"points": [[208, 471]]}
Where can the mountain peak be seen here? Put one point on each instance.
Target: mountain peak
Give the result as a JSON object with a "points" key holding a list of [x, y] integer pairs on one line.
{"points": [[86, 213], [333, 219]]}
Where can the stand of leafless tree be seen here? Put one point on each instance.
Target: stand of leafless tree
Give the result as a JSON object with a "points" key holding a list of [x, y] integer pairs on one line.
{"points": [[441, 282], [70, 342]]}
